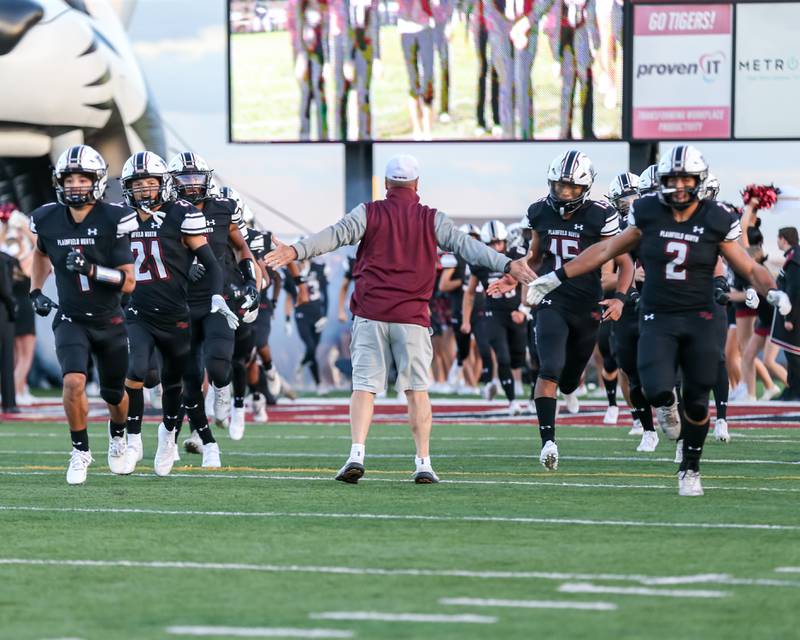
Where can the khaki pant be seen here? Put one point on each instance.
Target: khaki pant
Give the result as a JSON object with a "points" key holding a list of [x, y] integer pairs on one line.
{"points": [[375, 346]]}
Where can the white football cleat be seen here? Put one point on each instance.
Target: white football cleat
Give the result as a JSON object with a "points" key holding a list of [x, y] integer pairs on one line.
{"points": [[118, 459], [515, 408], [222, 405], [156, 396], [637, 429], [78, 464], [489, 390], [549, 456], [209, 402], [236, 426], [260, 410], [273, 383], [193, 444], [689, 483], [669, 420], [679, 452], [211, 455], [649, 442], [571, 402], [165, 453], [176, 450], [612, 415], [135, 445], [721, 430]]}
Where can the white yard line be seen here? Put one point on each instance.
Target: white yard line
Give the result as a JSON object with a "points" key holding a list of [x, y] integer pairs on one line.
{"points": [[530, 604], [788, 570], [584, 587], [408, 517], [377, 616], [258, 632]]}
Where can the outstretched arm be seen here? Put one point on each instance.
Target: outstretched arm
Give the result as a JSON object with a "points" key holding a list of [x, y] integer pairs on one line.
{"points": [[756, 274]]}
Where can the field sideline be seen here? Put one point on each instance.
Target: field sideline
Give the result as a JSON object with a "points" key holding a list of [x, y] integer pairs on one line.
{"points": [[271, 546]]}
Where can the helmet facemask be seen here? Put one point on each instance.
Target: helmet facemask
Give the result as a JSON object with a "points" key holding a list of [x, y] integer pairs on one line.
{"points": [[566, 207], [192, 186], [667, 194], [147, 198], [76, 196]]}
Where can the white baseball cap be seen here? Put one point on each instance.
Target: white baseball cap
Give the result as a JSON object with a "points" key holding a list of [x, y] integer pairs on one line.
{"points": [[402, 168]]}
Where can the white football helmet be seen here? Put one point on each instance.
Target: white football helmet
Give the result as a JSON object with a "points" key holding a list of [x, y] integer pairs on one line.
{"points": [[86, 161], [241, 206], [682, 160], [648, 180], [572, 167], [622, 191], [712, 187], [515, 234], [471, 229], [493, 231], [145, 164], [191, 176]]}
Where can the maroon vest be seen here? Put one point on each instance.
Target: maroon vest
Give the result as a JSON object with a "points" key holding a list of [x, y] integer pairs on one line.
{"points": [[395, 266]]}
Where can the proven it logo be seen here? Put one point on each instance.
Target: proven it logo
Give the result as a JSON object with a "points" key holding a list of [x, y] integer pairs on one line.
{"points": [[709, 66]]}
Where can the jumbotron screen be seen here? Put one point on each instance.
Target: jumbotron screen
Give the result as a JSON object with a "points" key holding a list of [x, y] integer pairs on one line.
{"points": [[328, 70]]}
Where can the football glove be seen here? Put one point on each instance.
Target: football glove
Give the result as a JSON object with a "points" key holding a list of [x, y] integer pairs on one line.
{"points": [[250, 292], [540, 287], [196, 272], [218, 305], [77, 263], [751, 298], [722, 291], [780, 301], [42, 305], [250, 316]]}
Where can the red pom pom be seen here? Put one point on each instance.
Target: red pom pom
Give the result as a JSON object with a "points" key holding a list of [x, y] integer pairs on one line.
{"points": [[767, 195]]}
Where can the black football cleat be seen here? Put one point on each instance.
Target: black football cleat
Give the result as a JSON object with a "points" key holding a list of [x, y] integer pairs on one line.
{"points": [[351, 473]]}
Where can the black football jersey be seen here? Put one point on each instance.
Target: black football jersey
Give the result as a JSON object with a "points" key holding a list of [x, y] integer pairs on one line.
{"points": [[315, 275], [162, 261], [679, 257], [459, 266], [561, 240], [507, 301], [219, 214], [102, 237]]}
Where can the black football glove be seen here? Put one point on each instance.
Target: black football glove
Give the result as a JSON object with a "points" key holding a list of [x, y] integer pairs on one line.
{"points": [[77, 263], [196, 272], [722, 290], [250, 293], [42, 305]]}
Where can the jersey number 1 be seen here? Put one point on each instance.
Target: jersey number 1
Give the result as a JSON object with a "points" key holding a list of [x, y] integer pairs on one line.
{"points": [[148, 264]]}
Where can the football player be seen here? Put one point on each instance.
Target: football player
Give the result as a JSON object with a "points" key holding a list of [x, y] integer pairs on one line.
{"points": [[85, 242], [679, 235]]}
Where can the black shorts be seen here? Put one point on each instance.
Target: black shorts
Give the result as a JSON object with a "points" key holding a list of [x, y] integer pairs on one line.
{"points": [[25, 323], [504, 336], [263, 324], [146, 335], [76, 341], [564, 342], [605, 345]]}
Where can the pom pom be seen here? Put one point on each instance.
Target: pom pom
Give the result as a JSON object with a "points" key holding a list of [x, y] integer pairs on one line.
{"points": [[766, 194]]}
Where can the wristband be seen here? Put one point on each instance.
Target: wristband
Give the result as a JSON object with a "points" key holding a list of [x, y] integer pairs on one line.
{"points": [[561, 274], [618, 295], [105, 275], [525, 309], [34, 294], [298, 280]]}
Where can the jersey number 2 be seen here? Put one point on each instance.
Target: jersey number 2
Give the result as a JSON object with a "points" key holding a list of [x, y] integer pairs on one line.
{"points": [[148, 264], [676, 268]]}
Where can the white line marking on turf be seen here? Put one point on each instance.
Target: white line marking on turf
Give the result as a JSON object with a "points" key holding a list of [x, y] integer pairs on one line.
{"points": [[530, 604], [259, 632], [584, 587], [376, 616], [710, 578], [788, 569], [409, 517]]}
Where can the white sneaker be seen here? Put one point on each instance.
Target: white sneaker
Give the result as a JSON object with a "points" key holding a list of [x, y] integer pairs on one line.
{"points": [[222, 405], [649, 442], [532, 407], [515, 408], [571, 402], [637, 429], [135, 446], [454, 375], [118, 460], [193, 444], [612, 414], [444, 117], [489, 391], [273, 383], [721, 430], [669, 421], [156, 397], [236, 426], [518, 389], [679, 452], [165, 453], [738, 392], [689, 483], [78, 464], [260, 410], [209, 402], [25, 399], [211, 455], [768, 394], [549, 456], [176, 452]]}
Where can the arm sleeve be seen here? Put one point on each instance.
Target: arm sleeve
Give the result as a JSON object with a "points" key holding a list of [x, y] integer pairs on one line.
{"points": [[213, 273], [451, 239], [349, 230]]}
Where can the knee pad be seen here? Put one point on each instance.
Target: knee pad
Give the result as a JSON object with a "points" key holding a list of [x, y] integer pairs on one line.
{"points": [[219, 371], [568, 386], [151, 379], [112, 396], [660, 398], [609, 363], [695, 405]]}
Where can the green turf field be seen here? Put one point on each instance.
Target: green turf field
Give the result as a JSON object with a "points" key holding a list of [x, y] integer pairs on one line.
{"points": [[292, 548], [265, 96]]}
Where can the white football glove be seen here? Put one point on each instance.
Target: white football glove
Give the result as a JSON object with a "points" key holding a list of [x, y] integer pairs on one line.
{"points": [[540, 287], [250, 316], [218, 305], [751, 298], [319, 325], [780, 301]]}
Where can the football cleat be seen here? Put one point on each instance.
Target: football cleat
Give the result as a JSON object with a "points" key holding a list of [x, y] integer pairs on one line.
{"points": [[209, 402], [425, 475], [571, 402], [489, 390], [118, 459], [637, 429], [211, 456], [156, 396], [222, 405], [721, 430], [193, 444], [689, 483], [549, 456], [351, 472], [515, 408], [260, 409], [679, 452], [78, 465], [649, 442], [135, 446], [669, 421], [273, 383], [165, 453], [236, 426], [612, 414]]}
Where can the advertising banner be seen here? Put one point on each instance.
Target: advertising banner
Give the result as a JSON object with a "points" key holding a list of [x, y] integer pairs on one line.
{"points": [[767, 70], [682, 71]]}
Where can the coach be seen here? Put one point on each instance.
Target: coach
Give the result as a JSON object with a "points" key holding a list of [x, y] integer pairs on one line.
{"points": [[394, 275]]}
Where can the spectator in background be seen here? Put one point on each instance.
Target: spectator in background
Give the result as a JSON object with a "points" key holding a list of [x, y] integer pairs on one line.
{"points": [[786, 334], [7, 316]]}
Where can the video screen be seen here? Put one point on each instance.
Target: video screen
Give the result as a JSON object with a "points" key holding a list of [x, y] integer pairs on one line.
{"points": [[420, 70]]}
